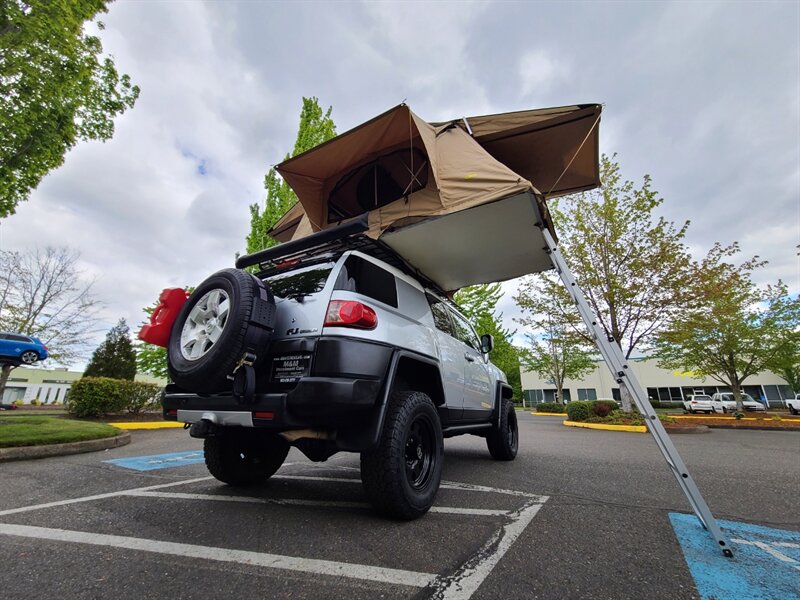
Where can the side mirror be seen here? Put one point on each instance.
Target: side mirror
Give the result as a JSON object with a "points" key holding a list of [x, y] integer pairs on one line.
{"points": [[487, 343]]}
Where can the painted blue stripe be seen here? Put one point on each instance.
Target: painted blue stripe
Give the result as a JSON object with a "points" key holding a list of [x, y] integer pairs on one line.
{"points": [[159, 461], [765, 565]]}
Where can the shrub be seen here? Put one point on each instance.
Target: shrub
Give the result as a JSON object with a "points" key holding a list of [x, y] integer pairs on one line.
{"points": [[96, 397], [17, 403], [553, 407], [36, 402], [99, 396], [601, 409], [739, 415], [578, 411], [141, 395], [655, 403]]}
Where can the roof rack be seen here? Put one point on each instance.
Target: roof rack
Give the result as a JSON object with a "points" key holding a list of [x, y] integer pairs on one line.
{"points": [[314, 248]]}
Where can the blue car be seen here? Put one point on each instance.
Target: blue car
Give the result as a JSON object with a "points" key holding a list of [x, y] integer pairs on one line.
{"points": [[23, 349]]}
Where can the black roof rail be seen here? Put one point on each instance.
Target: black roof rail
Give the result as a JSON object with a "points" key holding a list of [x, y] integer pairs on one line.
{"points": [[320, 238]]}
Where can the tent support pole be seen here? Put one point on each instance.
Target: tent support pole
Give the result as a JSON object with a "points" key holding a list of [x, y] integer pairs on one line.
{"points": [[624, 375]]}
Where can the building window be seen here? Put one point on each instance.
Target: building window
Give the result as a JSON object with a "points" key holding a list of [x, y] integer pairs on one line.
{"points": [[587, 394]]}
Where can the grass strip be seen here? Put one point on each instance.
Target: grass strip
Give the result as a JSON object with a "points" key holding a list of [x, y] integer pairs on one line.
{"points": [[35, 431]]}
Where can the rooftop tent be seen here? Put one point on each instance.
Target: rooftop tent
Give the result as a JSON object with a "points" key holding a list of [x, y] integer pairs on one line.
{"points": [[443, 195]]}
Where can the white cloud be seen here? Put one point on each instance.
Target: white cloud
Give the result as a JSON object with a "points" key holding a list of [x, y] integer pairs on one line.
{"points": [[539, 72]]}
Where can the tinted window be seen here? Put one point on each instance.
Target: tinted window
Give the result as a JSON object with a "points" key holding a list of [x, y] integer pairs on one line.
{"points": [[364, 277], [440, 318], [18, 338], [464, 331], [297, 284]]}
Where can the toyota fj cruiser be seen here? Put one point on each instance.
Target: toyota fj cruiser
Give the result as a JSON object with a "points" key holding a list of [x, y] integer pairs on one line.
{"points": [[335, 348]]}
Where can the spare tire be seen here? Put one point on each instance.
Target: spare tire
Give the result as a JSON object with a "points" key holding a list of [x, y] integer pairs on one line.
{"points": [[230, 313]]}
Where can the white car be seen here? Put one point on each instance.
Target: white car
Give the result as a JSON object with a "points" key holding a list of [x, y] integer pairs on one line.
{"points": [[698, 403], [794, 405], [723, 402]]}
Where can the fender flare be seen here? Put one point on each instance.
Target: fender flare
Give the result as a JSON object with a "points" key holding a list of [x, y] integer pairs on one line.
{"points": [[503, 391]]}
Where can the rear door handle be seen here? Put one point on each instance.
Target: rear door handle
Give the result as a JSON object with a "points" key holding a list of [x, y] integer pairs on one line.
{"points": [[469, 357]]}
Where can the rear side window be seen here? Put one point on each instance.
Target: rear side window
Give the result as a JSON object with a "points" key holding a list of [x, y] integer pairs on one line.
{"points": [[366, 278], [301, 283], [440, 317], [18, 338]]}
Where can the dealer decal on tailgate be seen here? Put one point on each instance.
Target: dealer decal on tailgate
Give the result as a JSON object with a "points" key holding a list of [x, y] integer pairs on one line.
{"points": [[290, 368]]}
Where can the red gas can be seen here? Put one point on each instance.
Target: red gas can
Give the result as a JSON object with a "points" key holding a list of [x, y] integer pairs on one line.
{"points": [[170, 303]]}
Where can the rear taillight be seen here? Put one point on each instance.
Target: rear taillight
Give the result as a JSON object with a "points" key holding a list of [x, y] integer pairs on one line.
{"points": [[349, 313]]}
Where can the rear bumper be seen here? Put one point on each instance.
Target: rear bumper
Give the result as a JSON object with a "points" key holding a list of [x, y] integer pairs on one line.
{"points": [[314, 402]]}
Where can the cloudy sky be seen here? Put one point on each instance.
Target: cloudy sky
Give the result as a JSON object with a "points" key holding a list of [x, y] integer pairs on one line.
{"points": [[703, 96]]}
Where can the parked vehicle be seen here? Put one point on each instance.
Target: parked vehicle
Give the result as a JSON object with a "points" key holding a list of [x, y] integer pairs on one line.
{"points": [[794, 405], [20, 348], [723, 402], [334, 351], [698, 403]]}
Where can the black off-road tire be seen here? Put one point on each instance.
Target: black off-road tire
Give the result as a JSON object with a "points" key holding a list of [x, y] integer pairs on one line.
{"points": [[242, 459], [503, 442], [248, 328], [402, 475], [792, 410]]}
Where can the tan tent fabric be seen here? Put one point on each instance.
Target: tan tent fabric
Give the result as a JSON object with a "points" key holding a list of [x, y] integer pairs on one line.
{"points": [[467, 177], [539, 145], [313, 174]]}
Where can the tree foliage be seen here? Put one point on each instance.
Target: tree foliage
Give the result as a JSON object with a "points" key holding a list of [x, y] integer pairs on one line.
{"points": [[56, 89], [114, 358], [43, 294], [632, 267], [556, 350], [732, 329], [315, 128], [478, 304]]}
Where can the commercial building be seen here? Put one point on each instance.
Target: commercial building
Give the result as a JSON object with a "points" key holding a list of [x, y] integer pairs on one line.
{"points": [[49, 386], [662, 385]]}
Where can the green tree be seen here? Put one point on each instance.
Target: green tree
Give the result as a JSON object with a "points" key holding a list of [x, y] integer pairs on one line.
{"points": [[787, 365], [43, 294], [478, 304], [114, 358], [632, 267], [56, 89], [732, 329], [556, 351], [315, 128]]}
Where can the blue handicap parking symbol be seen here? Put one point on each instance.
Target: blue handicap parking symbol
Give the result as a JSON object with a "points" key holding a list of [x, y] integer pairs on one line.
{"points": [[159, 461], [765, 563]]}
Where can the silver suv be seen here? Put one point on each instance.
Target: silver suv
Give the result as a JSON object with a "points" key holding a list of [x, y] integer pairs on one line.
{"points": [[334, 350]]}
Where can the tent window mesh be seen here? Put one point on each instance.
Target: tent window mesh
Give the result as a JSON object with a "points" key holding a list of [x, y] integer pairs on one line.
{"points": [[378, 183]]}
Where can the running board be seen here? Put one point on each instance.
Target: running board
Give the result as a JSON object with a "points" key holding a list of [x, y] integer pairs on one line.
{"points": [[624, 375]]}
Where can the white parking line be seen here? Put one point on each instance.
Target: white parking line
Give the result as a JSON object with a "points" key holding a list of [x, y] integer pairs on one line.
{"points": [[13, 511], [447, 485], [261, 559], [312, 503], [469, 577]]}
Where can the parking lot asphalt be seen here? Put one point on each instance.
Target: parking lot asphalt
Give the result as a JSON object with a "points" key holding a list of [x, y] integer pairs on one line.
{"points": [[578, 514]]}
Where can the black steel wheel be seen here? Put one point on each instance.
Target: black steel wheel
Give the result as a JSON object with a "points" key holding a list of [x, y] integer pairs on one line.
{"points": [[503, 441], [401, 476]]}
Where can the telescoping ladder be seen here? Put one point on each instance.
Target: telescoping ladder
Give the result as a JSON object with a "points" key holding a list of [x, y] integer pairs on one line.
{"points": [[623, 374]]}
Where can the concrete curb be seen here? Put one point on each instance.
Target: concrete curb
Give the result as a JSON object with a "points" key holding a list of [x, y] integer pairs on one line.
{"points": [[628, 428], [30, 452], [690, 429], [147, 425], [547, 414]]}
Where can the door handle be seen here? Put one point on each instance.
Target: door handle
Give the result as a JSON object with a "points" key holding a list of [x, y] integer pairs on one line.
{"points": [[469, 357]]}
